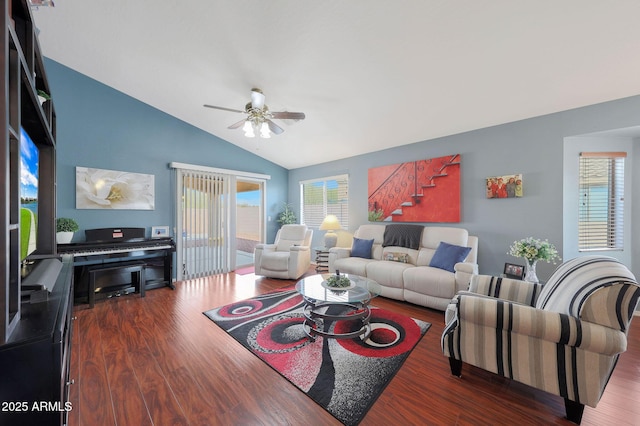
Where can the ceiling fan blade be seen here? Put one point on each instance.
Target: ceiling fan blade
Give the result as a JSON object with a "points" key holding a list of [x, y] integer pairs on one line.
{"points": [[257, 98], [286, 115], [222, 108], [236, 125], [274, 127]]}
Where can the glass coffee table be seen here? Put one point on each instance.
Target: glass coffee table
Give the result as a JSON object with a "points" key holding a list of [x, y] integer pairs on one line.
{"points": [[325, 307]]}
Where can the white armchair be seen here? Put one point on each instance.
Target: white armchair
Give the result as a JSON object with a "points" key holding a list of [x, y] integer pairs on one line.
{"points": [[289, 257]]}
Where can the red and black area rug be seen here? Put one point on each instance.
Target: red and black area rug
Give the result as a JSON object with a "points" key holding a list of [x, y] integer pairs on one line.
{"points": [[345, 376]]}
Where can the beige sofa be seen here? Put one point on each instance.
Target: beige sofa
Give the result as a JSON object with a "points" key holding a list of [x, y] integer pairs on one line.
{"points": [[409, 276]]}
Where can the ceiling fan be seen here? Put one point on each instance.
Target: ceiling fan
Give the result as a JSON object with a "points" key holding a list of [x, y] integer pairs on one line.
{"points": [[259, 117]]}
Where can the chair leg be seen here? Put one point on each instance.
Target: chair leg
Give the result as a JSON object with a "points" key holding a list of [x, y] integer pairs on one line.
{"points": [[456, 366], [574, 410]]}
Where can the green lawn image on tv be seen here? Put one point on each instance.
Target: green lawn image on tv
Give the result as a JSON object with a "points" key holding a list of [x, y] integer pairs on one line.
{"points": [[28, 229]]}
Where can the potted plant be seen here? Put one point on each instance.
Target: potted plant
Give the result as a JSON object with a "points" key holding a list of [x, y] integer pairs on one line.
{"points": [[43, 96], [287, 216], [65, 227]]}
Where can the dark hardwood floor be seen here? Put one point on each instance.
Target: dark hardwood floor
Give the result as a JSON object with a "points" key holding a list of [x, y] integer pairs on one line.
{"points": [[159, 361]]}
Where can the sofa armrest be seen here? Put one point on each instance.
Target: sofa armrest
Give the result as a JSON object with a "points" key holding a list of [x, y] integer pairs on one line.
{"points": [[527, 321], [450, 312], [299, 260], [463, 273], [469, 268], [336, 253], [264, 248], [510, 289]]}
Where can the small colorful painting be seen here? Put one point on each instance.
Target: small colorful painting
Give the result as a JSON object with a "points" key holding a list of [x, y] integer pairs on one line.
{"points": [[508, 186], [416, 191], [110, 189]]}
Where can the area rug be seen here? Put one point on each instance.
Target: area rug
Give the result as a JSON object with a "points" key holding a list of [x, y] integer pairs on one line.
{"points": [[344, 376], [245, 270]]}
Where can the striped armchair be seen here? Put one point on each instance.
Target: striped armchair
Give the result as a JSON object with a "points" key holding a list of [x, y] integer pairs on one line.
{"points": [[564, 337]]}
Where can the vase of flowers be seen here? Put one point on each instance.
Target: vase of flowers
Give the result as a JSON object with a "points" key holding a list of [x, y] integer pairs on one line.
{"points": [[533, 250]]}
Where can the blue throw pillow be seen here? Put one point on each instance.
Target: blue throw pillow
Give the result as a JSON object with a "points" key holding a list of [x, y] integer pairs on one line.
{"points": [[361, 248], [447, 255]]}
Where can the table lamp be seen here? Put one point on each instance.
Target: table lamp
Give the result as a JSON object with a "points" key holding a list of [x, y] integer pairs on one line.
{"points": [[330, 224]]}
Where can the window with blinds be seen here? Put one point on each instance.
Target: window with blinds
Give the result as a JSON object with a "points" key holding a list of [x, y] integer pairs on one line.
{"points": [[321, 197], [601, 209]]}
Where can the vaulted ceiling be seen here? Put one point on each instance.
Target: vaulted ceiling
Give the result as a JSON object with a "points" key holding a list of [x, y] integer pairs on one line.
{"points": [[368, 74]]}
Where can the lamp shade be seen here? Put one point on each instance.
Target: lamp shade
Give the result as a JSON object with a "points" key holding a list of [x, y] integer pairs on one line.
{"points": [[330, 223]]}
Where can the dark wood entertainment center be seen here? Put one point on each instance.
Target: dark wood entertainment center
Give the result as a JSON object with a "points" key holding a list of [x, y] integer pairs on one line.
{"points": [[36, 300]]}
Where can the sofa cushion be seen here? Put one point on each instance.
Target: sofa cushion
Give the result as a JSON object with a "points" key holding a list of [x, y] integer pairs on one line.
{"points": [[387, 274], [275, 261], [352, 265], [433, 235], [430, 281], [447, 255], [375, 233], [361, 248], [290, 235]]}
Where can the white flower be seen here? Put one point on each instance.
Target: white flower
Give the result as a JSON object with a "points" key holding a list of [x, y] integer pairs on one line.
{"points": [[533, 250]]}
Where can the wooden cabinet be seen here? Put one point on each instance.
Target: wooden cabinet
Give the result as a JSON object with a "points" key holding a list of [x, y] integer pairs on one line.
{"points": [[35, 328], [34, 362], [23, 75]]}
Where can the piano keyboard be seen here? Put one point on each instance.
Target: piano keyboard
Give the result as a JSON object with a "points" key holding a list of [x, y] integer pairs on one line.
{"points": [[118, 250]]}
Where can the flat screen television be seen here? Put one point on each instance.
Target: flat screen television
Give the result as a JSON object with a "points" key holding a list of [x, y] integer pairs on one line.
{"points": [[29, 160]]}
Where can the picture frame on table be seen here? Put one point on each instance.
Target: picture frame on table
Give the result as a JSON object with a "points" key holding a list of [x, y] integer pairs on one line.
{"points": [[159, 231], [513, 271]]}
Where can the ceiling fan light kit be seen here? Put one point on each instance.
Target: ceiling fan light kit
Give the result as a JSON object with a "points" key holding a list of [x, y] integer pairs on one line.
{"points": [[250, 129], [259, 118]]}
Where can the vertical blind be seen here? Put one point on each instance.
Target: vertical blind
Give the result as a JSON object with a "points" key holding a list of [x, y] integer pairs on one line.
{"points": [[320, 197], [203, 224], [601, 203]]}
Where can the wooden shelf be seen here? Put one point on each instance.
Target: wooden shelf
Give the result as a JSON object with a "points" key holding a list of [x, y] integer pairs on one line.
{"points": [[34, 337], [322, 259]]}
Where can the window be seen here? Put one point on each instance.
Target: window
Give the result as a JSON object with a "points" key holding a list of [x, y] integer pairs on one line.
{"points": [[601, 209], [321, 197]]}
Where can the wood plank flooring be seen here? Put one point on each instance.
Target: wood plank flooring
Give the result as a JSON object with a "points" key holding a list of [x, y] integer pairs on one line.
{"points": [[159, 361]]}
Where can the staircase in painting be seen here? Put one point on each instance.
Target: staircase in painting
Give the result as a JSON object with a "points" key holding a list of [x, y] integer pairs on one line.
{"points": [[419, 191]]}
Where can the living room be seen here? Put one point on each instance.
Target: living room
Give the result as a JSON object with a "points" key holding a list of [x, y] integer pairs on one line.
{"points": [[111, 130], [102, 127]]}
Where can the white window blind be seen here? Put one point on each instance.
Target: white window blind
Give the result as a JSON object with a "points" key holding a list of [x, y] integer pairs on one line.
{"points": [[601, 209], [203, 223], [321, 197]]}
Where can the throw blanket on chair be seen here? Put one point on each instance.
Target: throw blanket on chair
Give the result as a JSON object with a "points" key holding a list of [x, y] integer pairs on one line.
{"points": [[403, 236]]}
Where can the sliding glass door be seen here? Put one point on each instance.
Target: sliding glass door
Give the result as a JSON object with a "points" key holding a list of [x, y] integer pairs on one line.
{"points": [[220, 217], [250, 219], [203, 224]]}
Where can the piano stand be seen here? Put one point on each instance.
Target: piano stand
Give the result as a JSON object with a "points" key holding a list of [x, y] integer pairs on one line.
{"points": [[135, 268], [106, 248]]}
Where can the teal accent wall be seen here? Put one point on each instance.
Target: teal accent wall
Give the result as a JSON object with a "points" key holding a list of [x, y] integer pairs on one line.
{"points": [[534, 147], [100, 127]]}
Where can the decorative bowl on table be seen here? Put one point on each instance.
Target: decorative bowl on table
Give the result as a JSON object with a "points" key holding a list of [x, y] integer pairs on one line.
{"points": [[338, 283]]}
